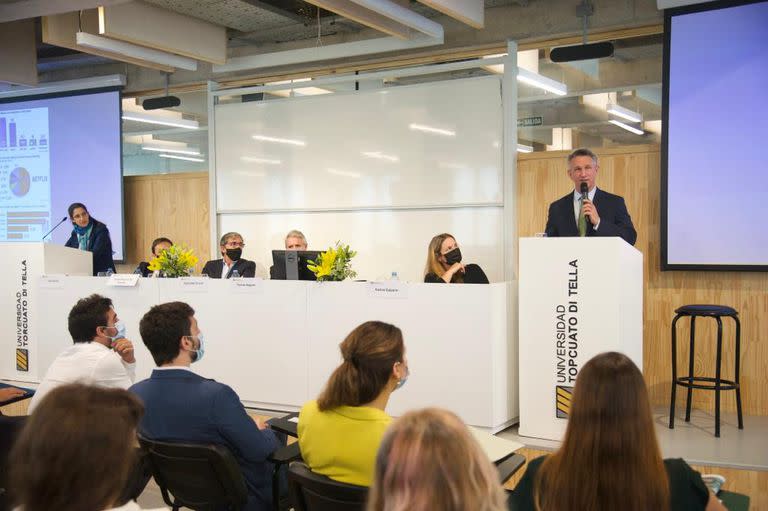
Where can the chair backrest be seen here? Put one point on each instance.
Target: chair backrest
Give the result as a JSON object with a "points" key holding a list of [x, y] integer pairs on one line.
{"points": [[200, 477], [314, 492]]}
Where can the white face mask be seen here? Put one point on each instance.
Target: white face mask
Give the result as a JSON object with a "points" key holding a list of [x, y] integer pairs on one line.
{"points": [[120, 334], [200, 351]]}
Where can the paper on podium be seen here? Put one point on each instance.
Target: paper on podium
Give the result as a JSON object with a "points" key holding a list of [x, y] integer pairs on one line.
{"points": [[495, 447]]}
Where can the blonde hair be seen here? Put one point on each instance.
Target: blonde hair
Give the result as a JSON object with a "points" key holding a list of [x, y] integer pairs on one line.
{"points": [[429, 460], [433, 253]]}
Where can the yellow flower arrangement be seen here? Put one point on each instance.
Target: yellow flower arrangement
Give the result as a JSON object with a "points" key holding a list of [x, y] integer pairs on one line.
{"points": [[176, 261], [334, 264]]}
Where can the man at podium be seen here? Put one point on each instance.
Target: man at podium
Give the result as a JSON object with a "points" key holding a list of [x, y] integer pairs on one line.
{"points": [[588, 211]]}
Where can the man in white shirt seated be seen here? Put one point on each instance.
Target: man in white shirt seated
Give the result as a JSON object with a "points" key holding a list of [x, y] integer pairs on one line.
{"points": [[100, 355]]}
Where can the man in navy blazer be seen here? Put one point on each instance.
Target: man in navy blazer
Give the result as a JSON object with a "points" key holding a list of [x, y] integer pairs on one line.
{"points": [[605, 214], [181, 406], [231, 248]]}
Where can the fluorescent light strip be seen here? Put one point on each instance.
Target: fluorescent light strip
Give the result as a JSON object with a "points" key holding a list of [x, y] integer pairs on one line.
{"points": [[135, 51], [627, 127], [522, 148], [344, 173], [161, 149], [253, 159], [542, 82], [264, 138], [176, 157], [624, 113], [162, 121], [429, 129], [380, 156]]}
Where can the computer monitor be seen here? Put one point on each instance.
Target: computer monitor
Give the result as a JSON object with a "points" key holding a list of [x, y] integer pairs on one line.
{"points": [[292, 264]]}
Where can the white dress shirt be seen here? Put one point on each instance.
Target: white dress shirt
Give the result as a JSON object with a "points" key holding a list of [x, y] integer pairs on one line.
{"points": [[225, 268], [86, 362], [577, 205]]}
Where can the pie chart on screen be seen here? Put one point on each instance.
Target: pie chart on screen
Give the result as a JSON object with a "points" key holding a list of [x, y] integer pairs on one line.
{"points": [[19, 181]]}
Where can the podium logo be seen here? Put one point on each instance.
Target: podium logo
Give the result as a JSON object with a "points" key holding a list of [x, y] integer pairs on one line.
{"points": [[563, 397], [22, 359]]}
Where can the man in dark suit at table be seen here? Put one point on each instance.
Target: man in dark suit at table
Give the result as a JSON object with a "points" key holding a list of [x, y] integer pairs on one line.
{"points": [[231, 247], [599, 214], [182, 406]]}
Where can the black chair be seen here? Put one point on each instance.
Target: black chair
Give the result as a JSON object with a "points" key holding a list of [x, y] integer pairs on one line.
{"points": [[10, 427], [314, 492], [717, 383], [200, 477]]}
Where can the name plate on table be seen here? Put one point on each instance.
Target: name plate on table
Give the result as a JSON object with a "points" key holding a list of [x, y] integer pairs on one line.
{"points": [[388, 289], [251, 286], [123, 280], [52, 282], [194, 284]]}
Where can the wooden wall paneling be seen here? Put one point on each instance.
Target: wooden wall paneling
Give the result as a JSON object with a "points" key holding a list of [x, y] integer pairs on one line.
{"points": [[170, 205], [634, 173]]}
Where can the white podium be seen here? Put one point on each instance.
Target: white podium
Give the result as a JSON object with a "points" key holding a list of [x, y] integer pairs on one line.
{"points": [[578, 297], [23, 264]]}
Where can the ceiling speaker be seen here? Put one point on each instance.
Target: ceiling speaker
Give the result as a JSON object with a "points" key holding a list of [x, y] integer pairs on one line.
{"points": [[581, 52], [163, 102]]}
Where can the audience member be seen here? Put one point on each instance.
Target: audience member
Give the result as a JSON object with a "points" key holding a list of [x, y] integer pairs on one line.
{"points": [[158, 246], [341, 431], [429, 460], [610, 458], [295, 240], [231, 246], [444, 263], [77, 451], [100, 355], [182, 406], [90, 235]]}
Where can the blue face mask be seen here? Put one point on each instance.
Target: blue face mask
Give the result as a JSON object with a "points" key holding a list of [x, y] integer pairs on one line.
{"points": [[120, 327], [200, 351], [404, 379]]}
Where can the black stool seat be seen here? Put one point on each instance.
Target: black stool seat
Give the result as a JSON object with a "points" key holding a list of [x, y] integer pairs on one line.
{"points": [[716, 384], [706, 310]]}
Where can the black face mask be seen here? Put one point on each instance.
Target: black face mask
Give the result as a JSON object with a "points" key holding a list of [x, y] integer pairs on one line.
{"points": [[453, 257], [234, 253]]}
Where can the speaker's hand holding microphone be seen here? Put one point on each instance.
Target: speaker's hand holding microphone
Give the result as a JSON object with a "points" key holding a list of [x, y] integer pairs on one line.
{"points": [[590, 211]]}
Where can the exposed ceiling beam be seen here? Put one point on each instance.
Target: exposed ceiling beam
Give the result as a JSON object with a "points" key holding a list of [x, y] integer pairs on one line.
{"points": [[403, 16], [470, 12], [23, 9], [363, 16]]}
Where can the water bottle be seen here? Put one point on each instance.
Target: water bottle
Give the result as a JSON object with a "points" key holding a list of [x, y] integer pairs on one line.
{"points": [[235, 274], [394, 276]]}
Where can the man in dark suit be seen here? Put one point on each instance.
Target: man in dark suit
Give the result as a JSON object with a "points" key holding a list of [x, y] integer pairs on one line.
{"points": [[601, 214], [181, 406], [231, 247]]}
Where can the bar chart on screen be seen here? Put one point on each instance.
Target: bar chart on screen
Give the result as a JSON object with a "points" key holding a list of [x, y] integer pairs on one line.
{"points": [[25, 175]]}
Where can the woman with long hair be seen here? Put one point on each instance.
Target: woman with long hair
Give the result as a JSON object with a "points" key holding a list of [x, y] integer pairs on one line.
{"points": [[76, 451], [610, 458], [429, 460], [341, 431], [444, 263], [88, 234]]}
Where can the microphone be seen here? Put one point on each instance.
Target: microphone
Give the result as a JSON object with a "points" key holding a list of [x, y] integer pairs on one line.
{"points": [[64, 219], [584, 194]]}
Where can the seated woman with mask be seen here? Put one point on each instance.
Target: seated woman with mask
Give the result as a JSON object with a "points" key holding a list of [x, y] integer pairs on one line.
{"points": [[340, 433], [444, 264], [158, 246]]}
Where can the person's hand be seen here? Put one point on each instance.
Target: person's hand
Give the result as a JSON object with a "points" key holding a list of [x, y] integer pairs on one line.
{"points": [[124, 348], [260, 423], [590, 211], [450, 272], [9, 393]]}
